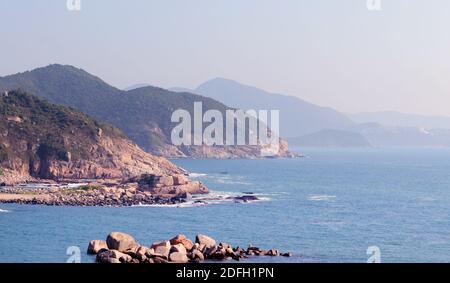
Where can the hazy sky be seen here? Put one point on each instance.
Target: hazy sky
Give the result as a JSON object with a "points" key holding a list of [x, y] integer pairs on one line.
{"points": [[331, 52]]}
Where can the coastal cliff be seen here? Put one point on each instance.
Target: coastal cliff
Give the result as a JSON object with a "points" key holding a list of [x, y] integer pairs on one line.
{"points": [[39, 140]]}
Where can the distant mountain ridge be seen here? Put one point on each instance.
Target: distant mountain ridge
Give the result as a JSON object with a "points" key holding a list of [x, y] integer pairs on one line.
{"points": [[143, 114], [309, 125], [297, 117], [398, 119]]}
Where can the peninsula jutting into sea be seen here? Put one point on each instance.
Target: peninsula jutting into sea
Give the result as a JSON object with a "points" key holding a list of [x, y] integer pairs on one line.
{"points": [[57, 145]]}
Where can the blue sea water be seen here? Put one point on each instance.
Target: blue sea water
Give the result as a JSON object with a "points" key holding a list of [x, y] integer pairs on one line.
{"points": [[327, 207]]}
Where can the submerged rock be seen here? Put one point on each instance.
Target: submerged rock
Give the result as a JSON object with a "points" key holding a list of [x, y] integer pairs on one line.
{"points": [[246, 198]]}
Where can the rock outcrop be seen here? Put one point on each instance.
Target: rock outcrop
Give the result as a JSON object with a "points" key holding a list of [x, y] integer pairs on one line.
{"points": [[170, 185], [59, 143]]}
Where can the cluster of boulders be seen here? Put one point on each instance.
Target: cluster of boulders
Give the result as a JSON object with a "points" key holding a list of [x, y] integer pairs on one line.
{"points": [[123, 248]]}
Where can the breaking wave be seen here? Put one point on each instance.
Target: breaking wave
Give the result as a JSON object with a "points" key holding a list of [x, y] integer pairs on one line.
{"points": [[321, 198], [197, 175]]}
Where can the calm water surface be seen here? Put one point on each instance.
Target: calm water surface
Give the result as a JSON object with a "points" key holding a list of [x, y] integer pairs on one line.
{"points": [[327, 207]]}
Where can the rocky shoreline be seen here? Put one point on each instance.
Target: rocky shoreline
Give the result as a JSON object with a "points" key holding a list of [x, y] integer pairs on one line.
{"points": [[123, 248], [148, 189], [145, 190]]}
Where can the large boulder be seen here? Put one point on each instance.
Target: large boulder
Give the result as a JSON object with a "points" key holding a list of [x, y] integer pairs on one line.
{"points": [[169, 185], [179, 257], [205, 240], [161, 249], [181, 239], [193, 187], [95, 246], [196, 254], [120, 241], [178, 248], [161, 244]]}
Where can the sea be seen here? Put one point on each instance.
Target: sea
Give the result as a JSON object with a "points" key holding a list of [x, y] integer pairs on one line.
{"points": [[346, 205]]}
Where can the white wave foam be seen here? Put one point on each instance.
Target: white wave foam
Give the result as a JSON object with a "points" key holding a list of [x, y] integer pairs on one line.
{"points": [[4, 211], [264, 199], [178, 205], [76, 185], [221, 178], [321, 198], [214, 197], [197, 175], [230, 181]]}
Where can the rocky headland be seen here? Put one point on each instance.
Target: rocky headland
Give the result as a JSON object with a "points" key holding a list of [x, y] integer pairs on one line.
{"points": [[41, 142], [123, 248]]}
